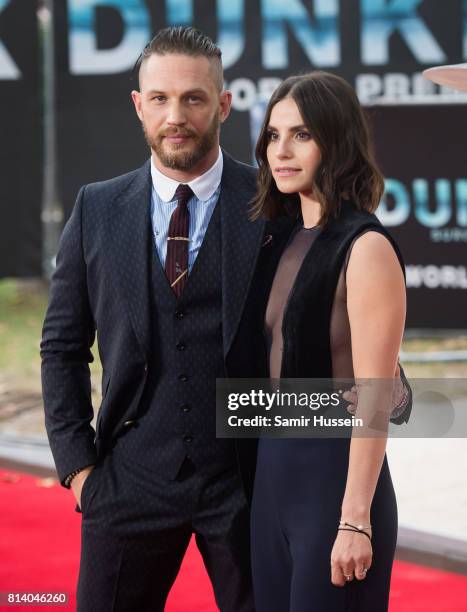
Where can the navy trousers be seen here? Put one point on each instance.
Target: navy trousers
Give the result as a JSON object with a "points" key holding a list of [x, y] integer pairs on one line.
{"points": [[136, 527], [299, 487]]}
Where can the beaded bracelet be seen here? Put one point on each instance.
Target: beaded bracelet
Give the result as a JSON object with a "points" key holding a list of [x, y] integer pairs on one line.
{"points": [[69, 478]]}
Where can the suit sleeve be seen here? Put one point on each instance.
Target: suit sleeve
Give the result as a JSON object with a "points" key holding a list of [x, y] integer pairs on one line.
{"points": [[67, 336]]}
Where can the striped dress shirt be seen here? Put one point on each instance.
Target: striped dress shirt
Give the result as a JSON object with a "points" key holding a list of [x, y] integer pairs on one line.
{"points": [[206, 189]]}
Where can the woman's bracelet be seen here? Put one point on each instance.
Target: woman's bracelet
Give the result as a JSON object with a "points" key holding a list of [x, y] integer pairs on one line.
{"points": [[345, 526], [358, 527], [355, 531]]}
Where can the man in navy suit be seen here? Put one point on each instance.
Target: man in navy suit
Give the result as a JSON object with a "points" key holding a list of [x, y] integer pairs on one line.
{"points": [[163, 282]]}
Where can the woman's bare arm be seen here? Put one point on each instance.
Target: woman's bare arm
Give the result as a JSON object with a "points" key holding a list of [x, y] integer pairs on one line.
{"points": [[376, 305]]}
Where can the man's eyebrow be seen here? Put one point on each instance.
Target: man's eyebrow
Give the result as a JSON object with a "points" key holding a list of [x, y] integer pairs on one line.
{"points": [[189, 92], [194, 91]]}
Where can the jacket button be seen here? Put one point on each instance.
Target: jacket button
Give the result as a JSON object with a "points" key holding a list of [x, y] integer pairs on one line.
{"points": [[188, 439], [179, 314], [185, 407], [180, 346], [129, 423], [183, 377]]}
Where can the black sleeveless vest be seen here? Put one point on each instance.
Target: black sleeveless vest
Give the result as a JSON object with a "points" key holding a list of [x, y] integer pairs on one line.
{"points": [[307, 317]]}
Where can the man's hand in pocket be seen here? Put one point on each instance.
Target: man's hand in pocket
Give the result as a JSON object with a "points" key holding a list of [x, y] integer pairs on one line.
{"points": [[78, 482]]}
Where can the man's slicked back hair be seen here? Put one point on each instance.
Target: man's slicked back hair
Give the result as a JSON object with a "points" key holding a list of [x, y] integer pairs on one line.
{"points": [[184, 40]]}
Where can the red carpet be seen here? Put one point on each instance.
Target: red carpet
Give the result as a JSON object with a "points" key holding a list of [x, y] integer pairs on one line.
{"points": [[39, 551]]}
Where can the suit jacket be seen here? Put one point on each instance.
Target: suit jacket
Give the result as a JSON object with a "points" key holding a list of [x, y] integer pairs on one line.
{"points": [[101, 283]]}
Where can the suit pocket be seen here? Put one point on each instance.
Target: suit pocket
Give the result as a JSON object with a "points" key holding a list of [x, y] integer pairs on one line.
{"points": [[105, 389], [105, 384], [88, 490]]}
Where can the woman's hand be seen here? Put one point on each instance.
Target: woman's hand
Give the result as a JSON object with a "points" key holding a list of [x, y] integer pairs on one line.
{"points": [[351, 395], [351, 556]]}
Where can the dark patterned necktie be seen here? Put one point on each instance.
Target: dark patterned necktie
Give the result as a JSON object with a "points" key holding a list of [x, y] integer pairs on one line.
{"points": [[176, 261]]}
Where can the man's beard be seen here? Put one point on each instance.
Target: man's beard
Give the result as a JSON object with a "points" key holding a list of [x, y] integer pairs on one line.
{"points": [[184, 160]]}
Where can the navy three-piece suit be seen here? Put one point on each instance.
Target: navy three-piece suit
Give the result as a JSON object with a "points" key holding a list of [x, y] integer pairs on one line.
{"points": [[160, 472]]}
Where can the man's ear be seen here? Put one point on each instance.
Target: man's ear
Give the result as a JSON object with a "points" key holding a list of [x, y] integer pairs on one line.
{"points": [[225, 101], [136, 97]]}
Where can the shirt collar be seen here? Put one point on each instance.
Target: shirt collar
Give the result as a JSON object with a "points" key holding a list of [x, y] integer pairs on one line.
{"points": [[203, 186]]}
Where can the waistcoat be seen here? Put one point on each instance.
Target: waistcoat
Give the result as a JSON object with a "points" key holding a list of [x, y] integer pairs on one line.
{"points": [[179, 403]]}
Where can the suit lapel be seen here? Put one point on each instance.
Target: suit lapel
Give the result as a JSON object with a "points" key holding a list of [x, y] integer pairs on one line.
{"points": [[129, 231], [241, 241], [129, 236]]}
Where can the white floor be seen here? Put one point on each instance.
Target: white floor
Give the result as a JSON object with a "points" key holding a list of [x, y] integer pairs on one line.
{"points": [[430, 479]]}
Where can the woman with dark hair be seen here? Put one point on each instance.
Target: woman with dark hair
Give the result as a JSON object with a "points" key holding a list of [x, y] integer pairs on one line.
{"points": [[324, 515]]}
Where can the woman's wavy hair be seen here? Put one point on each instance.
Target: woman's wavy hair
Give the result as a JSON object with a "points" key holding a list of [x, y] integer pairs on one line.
{"points": [[348, 171]]}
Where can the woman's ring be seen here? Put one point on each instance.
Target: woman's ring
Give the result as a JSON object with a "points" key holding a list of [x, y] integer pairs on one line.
{"points": [[348, 577]]}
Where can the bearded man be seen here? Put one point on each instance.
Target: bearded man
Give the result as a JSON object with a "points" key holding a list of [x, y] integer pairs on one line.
{"points": [[158, 262]]}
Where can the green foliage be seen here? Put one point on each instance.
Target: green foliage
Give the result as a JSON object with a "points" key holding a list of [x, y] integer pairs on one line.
{"points": [[22, 310], [21, 316]]}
